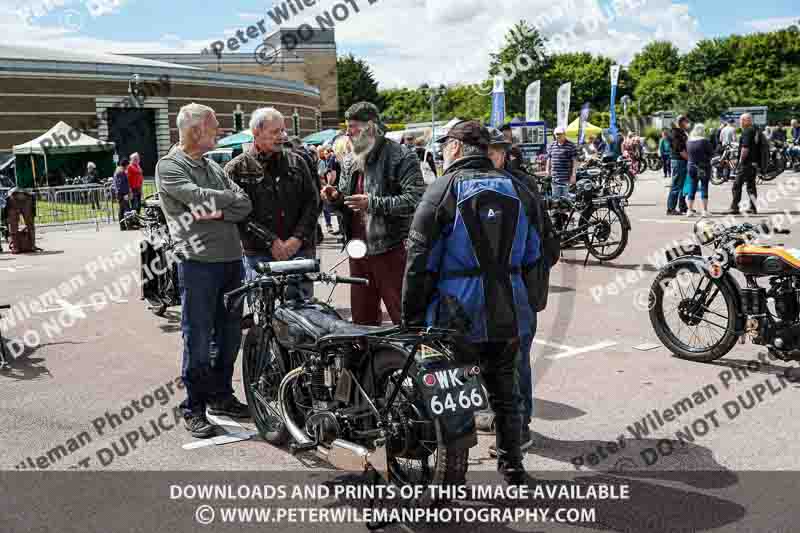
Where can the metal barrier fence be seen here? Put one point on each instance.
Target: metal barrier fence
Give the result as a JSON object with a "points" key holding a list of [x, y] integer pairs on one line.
{"points": [[71, 205]]}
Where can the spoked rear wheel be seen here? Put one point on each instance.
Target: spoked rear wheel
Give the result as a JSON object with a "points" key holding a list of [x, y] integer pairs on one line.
{"points": [[415, 455], [607, 235], [693, 314], [263, 369]]}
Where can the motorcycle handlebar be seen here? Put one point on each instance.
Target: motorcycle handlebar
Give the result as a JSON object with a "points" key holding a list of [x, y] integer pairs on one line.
{"points": [[298, 266], [351, 281]]}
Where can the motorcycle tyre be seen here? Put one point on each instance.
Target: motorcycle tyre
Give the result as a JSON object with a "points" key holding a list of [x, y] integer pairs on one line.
{"points": [[451, 464], [250, 353], [715, 352]]}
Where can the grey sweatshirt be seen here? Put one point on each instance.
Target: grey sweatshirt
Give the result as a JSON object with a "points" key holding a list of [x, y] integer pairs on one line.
{"points": [[187, 187]]}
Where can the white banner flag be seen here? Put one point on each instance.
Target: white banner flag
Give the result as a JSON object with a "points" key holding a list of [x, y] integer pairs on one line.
{"points": [[532, 101], [562, 105], [614, 75]]}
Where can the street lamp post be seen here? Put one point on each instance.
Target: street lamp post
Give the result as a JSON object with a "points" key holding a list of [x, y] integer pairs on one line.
{"points": [[296, 122], [434, 94]]}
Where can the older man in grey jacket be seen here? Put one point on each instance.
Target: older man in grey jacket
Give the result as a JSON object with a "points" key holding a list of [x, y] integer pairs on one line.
{"points": [[202, 207]]}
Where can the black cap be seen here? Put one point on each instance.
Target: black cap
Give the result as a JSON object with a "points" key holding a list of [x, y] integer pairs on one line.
{"points": [[364, 112], [468, 132]]}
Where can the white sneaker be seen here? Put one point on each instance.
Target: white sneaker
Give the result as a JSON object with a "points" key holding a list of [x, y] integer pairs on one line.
{"points": [[691, 213], [706, 213]]}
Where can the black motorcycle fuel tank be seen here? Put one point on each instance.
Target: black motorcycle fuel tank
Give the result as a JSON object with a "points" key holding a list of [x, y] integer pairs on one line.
{"points": [[301, 325]]}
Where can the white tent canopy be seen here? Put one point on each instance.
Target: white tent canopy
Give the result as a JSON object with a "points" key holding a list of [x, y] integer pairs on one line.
{"points": [[62, 139]]}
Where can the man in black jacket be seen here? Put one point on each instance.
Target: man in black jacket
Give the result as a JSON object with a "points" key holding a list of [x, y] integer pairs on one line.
{"points": [[376, 195], [475, 265], [284, 196]]}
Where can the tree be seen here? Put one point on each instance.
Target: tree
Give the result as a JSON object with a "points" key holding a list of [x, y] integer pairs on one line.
{"points": [[521, 60], [589, 76], [658, 90], [709, 59], [662, 55], [356, 83]]}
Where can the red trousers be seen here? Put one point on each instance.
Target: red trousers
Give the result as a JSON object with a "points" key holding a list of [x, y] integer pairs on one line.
{"points": [[385, 274]]}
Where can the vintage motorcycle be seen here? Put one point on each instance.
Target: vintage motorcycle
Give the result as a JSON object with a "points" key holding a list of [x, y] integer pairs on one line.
{"points": [[158, 265], [593, 218], [724, 164], [653, 161], [778, 161], [611, 173], [699, 310], [387, 399]]}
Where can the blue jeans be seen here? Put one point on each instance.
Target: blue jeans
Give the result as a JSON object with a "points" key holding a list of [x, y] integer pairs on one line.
{"points": [[327, 210], [206, 322], [676, 198], [667, 162], [693, 178]]}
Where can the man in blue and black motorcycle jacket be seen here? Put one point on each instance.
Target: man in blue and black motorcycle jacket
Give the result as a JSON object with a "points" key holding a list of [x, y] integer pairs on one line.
{"points": [[475, 265]]}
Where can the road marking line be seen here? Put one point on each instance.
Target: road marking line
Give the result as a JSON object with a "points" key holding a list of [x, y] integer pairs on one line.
{"points": [[552, 345], [224, 421], [578, 351], [220, 440], [646, 347], [665, 221], [13, 269], [66, 306]]}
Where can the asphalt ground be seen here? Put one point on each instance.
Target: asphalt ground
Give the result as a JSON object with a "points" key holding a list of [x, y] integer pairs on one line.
{"points": [[599, 368]]}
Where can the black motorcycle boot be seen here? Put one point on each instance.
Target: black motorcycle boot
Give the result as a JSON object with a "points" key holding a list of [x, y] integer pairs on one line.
{"points": [[509, 454]]}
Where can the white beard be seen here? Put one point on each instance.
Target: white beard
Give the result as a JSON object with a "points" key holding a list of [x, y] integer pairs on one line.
{"points": [[362, 147]]}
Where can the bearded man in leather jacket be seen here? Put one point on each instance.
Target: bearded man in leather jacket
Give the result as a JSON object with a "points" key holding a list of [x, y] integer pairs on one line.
{"points": [[376, 195]]}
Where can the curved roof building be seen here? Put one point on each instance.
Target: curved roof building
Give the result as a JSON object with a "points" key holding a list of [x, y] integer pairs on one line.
{"points": [[92, 92]]}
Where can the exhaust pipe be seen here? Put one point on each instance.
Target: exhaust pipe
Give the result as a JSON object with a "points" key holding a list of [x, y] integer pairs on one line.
{"points": [[297, 433], [341, 454], [352, 457]]}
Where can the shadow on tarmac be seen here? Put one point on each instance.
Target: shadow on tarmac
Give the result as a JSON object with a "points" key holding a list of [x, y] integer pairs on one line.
{"points": [[592, 262], [651, 507], [26, 368], [662, 459]]}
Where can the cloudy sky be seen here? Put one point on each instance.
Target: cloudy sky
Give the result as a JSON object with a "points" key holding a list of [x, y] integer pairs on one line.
{"points": [[407, 42]]}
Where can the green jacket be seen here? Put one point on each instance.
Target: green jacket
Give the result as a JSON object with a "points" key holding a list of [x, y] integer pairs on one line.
{"points": [[664, 147]]}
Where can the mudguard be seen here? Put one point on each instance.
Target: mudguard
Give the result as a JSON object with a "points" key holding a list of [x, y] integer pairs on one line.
{"points": [[699, 265]]}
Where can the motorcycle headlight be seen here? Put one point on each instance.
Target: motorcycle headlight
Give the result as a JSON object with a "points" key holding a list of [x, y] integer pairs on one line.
{"points": [[704, 231]]}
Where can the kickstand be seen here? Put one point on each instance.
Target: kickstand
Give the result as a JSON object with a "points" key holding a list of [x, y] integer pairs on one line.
{"points": [[372, 526]]}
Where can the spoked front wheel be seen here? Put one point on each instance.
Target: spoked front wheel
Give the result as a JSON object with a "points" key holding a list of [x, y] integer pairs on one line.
{"points": [[693, 314], [607, 233], [263, 368]]}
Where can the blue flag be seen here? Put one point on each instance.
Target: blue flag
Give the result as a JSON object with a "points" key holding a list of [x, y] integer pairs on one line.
{"points": [[498, 103]]}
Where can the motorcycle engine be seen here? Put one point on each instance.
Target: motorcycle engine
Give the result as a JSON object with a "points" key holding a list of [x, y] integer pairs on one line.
{"points": [[784, 336], [787, 299]]}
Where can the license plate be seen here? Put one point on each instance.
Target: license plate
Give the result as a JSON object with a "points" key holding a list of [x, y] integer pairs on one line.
{"points": [[452, 391]]}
